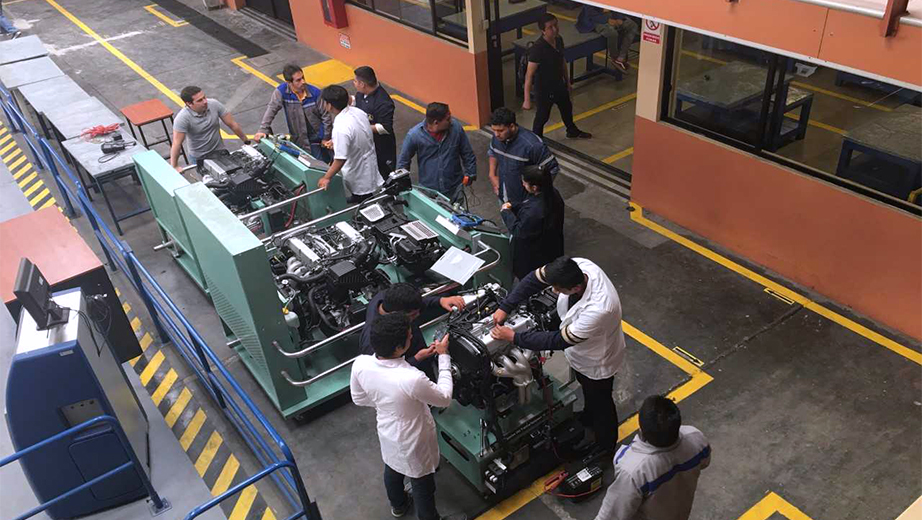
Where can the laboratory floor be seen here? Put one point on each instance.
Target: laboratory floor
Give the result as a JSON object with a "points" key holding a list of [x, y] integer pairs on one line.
{"points": [[806, 405]]}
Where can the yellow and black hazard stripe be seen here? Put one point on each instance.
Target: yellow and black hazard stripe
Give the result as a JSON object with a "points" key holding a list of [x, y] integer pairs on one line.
{"points": [[205, 446], [24, 173]]}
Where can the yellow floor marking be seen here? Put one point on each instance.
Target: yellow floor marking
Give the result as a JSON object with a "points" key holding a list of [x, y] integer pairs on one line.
{"points": [[27, 180], [698, 380], [22, 171], [239, 62], [407, 102], [178, 407], [135, 324], [192, 429], [145, 341], [244, 503], [152, 367], [152, 9], [118, 54], [208, 453], [772, 504], [226, 476], [620, 155], [817, 124], [704, 57], [164, 387], [912, 355], [268, 515], [38, 198], [5, 139], [912, 512], [12, 155], [17, 162], [35, 186], [47, 203], [562, 16], [7, 148], [326, 73], [118, 292], [126, 307], [594, 111], [840, 96], [3, 130], [134, 361]]}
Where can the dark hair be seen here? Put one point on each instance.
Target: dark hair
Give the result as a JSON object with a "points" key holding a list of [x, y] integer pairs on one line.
{"points": [[288, 71], [502, 116], [553, 202], [402, 297], [187, 93], [564, 273], [436, 112], [336, 96], [389, 333], [659, 421], [366, 75], [544, 19]]}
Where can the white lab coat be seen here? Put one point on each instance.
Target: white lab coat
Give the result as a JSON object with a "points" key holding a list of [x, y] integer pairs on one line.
{"points": [[656, 483], [401, 395], [593, 325]]}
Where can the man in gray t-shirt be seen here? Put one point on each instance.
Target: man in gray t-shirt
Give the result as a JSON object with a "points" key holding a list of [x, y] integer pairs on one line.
{"points": [[200, 121]]}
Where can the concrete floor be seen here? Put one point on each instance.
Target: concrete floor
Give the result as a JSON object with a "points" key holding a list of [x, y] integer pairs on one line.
{"points": [[793, 403]]}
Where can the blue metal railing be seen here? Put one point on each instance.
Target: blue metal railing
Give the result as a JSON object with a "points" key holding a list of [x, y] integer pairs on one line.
{"points": [[159, 503], [172, 325]]}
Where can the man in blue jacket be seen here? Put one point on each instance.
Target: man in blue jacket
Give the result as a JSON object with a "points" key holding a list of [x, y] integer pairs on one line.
{"points": [[443, 153], [309, 125], [512, 149]]}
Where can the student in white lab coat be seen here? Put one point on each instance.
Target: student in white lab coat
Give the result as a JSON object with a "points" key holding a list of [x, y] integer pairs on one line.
{"points": [[401, 395], [590, 334], [656, 475]]}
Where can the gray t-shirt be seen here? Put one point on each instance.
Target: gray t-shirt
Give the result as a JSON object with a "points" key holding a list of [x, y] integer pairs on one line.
{"points": [[203, 131]]}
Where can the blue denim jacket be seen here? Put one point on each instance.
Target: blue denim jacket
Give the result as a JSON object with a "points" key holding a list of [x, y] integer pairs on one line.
{"points": [[442, 165]]}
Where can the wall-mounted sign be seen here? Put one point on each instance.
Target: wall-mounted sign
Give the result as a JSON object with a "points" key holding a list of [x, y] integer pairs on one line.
{"points": [[344, 41], [652, 31]]}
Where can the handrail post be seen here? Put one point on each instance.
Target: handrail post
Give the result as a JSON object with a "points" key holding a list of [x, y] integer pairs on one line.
{"points": [[128, 254]]}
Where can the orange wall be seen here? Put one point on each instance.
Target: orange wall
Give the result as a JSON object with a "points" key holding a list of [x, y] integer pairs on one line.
{"points": [[420, 65], [850, 249], [811, 30]]}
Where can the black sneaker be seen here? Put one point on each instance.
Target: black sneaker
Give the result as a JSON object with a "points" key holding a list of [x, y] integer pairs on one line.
{"points": [[622, 65], [579, 135], [397, 512]]}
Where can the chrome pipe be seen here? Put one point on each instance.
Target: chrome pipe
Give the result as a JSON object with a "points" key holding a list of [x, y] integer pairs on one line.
{"points": [[279, 204], [163, 245]]}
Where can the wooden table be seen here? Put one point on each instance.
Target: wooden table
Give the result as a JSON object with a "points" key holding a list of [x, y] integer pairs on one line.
{"points": [[47, 239]]}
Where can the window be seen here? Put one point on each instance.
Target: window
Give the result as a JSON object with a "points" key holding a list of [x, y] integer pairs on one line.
{"points": [[857, 132], [444, 18]]}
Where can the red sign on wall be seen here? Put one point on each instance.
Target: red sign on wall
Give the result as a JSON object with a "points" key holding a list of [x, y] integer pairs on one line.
{"points": [[652, 32]]}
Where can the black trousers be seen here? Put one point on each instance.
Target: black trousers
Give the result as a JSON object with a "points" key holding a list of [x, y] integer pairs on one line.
{"points": [[423, 489], [543, 104], [600, 409]]}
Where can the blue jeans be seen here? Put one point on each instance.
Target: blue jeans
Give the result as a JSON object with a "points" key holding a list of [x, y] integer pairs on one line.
{"points": [[6, 27], [423, 493]]}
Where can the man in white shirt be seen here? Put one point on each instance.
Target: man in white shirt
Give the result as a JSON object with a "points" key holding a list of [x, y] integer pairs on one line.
{"points": [[656, 475], [590, 334], [401, 396], [353, 146]]}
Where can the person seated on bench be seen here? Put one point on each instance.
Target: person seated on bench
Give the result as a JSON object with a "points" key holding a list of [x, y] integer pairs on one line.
{"points": [[615, 27]]}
